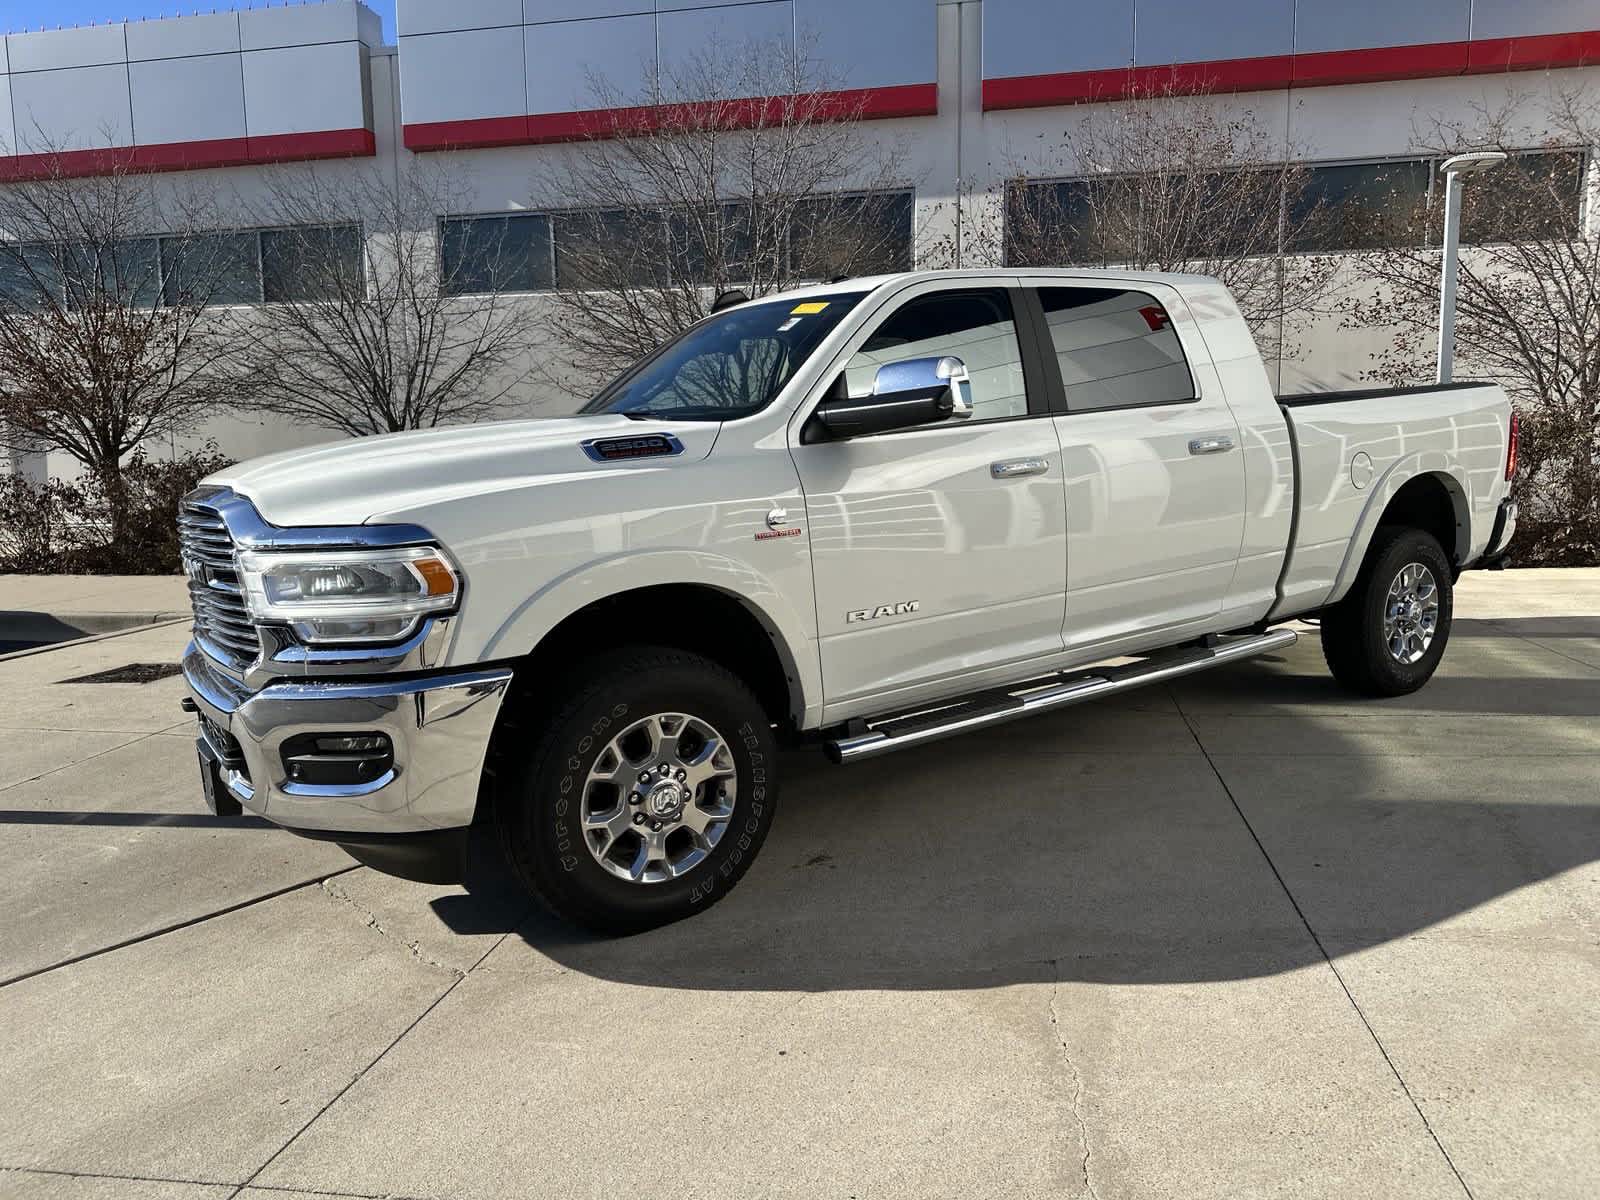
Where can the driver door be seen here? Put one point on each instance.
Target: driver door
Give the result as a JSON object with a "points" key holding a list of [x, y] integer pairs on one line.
{"points": [[939, 552]]}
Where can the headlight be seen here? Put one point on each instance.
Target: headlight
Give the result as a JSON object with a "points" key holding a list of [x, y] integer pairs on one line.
{"points": [[349, 595]]}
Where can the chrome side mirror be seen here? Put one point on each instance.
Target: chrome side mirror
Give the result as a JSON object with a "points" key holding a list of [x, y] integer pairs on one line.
{"points": [[906, 394], [914, 378]]}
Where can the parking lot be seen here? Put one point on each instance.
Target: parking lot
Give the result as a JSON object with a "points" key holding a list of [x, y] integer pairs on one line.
{"points": [[1242, 936]]}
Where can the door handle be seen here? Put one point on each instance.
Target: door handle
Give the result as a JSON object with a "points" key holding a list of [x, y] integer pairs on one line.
{"points": [[1015, 468], [1211, 445]]}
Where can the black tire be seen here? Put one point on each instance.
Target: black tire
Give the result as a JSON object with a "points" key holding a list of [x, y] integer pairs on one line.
{"points": [[538, 788], [1353, 638]]}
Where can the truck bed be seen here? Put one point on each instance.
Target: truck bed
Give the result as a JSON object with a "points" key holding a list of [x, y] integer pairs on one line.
{"points": [[1457, 431]]}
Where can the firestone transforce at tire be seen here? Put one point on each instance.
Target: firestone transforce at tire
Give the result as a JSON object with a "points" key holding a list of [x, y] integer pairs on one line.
{"points": [[648, 792], [1386, 637]]}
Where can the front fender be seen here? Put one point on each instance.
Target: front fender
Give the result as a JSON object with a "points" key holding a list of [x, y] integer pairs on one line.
{"points": [[1425, 462], [561, 597]]}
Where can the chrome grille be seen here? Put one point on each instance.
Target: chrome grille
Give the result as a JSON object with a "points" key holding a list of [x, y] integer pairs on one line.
{"points": [[222, 624]]}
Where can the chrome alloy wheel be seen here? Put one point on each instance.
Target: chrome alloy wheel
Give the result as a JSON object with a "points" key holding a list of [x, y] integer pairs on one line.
{"points": [[659, 798], [1411, 613]]}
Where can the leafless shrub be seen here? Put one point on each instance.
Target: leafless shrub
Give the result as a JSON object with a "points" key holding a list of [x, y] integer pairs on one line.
{"points": [[106, 338], [1528, 307], [364, 330]]}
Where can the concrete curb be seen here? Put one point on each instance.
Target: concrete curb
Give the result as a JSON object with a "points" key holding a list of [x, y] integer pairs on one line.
{"points": [[55, 632]]}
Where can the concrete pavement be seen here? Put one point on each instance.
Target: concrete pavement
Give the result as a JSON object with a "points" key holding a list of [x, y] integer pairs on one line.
{"points": [[1246, 936]]}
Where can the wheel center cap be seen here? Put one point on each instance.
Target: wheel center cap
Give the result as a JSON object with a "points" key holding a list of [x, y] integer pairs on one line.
{"points": [[665, 801]]}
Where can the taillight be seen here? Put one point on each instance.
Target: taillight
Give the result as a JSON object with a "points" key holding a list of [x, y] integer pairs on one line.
{"points": [[1511, 447]]}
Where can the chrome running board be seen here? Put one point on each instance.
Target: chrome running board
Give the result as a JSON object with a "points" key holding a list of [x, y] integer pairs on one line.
{"points": [[1042, 695]]}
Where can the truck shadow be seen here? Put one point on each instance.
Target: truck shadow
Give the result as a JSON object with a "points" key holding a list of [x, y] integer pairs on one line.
{"points": [[1104, 844]]}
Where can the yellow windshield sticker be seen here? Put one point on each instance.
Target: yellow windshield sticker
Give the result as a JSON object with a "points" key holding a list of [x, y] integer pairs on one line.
{"points": [[806, 310]]}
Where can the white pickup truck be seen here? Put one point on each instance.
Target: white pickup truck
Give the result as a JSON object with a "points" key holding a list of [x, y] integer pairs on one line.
{"points": [[870, 514]]}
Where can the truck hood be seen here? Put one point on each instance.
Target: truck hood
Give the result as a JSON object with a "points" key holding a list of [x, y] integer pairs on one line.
{"points": [[358, 481]]}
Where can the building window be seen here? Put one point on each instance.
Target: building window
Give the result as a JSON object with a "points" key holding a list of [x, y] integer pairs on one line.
{"points": [[1361, 206], [312, 263], [601, 249], [1340, 207], [1528, 198], [271, 265], [512, 253], [1116, 348]]}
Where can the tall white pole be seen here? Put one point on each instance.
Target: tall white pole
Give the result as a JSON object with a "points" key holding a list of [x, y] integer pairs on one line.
{"points": [[1447, 284]]}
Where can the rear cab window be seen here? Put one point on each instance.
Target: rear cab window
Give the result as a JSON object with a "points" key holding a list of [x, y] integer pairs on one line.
{"points": [[1116, 348]]}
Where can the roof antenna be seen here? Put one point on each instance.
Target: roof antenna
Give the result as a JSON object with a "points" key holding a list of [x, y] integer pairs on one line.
{"points": [[728, 300]]}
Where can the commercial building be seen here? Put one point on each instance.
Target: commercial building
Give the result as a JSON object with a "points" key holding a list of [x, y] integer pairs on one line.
{"points": [[968, 88]]}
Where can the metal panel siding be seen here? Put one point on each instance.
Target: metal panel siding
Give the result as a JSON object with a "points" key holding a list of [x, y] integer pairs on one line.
{"points": [[414, 17], [536, 11], [304, 89], [1181, 31], [8, 130], [302, 25], [165, 94], [680, 5], [5, 54], [1357, 24], [80, 108], [462, 76], [210, 33], [883, 44], [51, 50], [681, 35], [1041, 37], [1518, 18], [561, 56]]}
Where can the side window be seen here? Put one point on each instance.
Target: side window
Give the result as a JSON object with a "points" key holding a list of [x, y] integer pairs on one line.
{"points": [[977, 327], [1117, 348]]}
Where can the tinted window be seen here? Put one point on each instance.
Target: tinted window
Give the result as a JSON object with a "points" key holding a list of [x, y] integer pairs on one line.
{"points": [[1360, 206], [497, 254], [216, 269], [611, 249], [1116, 348], [311, 263], [729, 365], [855, 235], [1528, 197], [116, 273], [977, 327], [29, 276]]}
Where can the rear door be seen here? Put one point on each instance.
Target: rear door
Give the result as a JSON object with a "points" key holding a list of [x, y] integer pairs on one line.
{"points": [[938, 552], [1152, 459]]}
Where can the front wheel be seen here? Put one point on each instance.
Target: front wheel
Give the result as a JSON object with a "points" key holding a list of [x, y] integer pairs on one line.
{"points": [[648, 793], [1387, 636]]}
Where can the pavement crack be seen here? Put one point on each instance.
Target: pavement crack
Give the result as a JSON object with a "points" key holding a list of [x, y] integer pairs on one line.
{"points": [[1316, 940], [1085, 1164], [335, 891]]}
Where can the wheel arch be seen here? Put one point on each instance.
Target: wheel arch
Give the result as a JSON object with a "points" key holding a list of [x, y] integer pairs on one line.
{"points": [[1423, 491]]}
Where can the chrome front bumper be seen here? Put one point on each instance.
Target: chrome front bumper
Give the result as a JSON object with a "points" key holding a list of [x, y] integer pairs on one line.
{"points": [[438, 723]]}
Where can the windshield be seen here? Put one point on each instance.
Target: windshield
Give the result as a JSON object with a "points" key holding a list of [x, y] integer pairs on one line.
{"points": [[728, 366]]}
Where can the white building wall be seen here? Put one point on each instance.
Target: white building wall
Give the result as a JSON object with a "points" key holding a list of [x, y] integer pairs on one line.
{"points": [[493, 86]]}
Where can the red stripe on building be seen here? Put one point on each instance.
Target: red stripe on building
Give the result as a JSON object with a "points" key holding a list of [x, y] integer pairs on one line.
{"points": [[1545, 51], [909, 100], [1376, 64], [190, 156]]}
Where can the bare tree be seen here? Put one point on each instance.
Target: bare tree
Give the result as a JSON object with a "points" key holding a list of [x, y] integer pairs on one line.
{"points": [[1528, 305], [365, 328], [732, 168], [106, 341], [1177, 183]]}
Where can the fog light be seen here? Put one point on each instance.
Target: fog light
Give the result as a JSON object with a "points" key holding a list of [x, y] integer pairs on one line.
{"points": [[337, 759]]}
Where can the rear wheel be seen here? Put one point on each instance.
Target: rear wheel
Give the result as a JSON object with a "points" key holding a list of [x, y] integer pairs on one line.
{"points": [[1387, 636], [647, 794]]}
